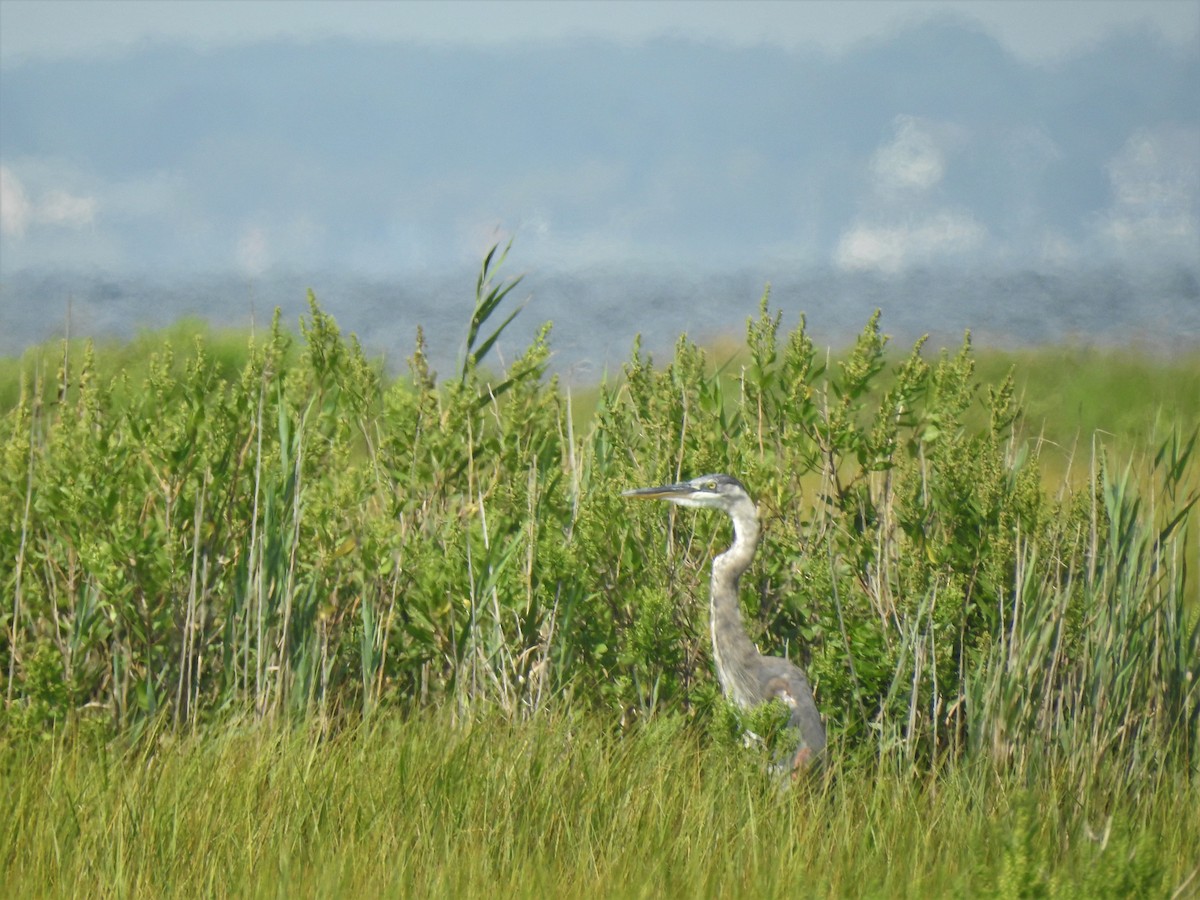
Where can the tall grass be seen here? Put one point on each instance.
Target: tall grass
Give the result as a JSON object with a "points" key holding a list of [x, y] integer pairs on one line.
{"points": [[303, 539], [559, 806]]}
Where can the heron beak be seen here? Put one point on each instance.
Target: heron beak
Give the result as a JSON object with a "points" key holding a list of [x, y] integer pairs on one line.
{"points": [[662, 492]]}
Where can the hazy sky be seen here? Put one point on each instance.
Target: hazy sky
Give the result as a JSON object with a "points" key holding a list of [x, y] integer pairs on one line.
{"points": [[876, 139], [868, 136], [1034, 30]]}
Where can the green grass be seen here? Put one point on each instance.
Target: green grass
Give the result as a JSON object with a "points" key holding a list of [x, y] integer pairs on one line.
{"points": [[227, 348], [1127, 399], [558, 806]]}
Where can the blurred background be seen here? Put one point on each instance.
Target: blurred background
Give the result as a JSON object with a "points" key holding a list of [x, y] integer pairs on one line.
{"points": [[1028, 171]]}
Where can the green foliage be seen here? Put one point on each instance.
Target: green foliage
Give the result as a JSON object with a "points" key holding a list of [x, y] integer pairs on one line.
{"points": [[45, 697], [289, 533]]}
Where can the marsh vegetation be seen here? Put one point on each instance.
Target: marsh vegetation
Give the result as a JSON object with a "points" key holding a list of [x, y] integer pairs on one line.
{"points": [[278, 621]]}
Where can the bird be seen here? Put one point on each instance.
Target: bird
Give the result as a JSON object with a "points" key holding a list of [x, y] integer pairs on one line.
{"points": [[747, 677]]}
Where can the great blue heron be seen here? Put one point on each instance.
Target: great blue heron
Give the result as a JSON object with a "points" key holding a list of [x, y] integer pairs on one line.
{"points": [[747, 677]]}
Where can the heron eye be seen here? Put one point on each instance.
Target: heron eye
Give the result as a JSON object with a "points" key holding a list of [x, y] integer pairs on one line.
{"points": [[712, 485]]}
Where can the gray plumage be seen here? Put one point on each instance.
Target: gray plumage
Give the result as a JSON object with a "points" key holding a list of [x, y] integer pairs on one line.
{"points": [[747, 677]]}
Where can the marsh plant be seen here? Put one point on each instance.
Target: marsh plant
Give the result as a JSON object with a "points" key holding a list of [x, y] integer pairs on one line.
{"points": [[289, 534]]}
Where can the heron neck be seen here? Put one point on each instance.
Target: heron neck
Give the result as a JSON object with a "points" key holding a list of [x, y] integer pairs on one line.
{"points": [[733, 650]]}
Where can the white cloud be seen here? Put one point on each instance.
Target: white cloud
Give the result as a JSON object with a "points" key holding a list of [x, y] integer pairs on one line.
{"points": [[903, 223], [60, 208], [1157, 170], [912, 161], [253, 251], [1056, 249], [890, 248], [1155, 181], [56, 207], [15, 209]]}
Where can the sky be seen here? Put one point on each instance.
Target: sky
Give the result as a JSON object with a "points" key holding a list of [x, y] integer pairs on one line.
{"points": [[268, 141], [1033, 30], [877, 135], [905, 178]]}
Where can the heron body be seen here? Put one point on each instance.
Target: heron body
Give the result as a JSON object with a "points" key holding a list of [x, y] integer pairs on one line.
{"points": [[747, 677]]}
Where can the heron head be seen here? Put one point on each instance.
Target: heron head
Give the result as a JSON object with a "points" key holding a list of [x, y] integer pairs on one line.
{"points": [[708, 491]]}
